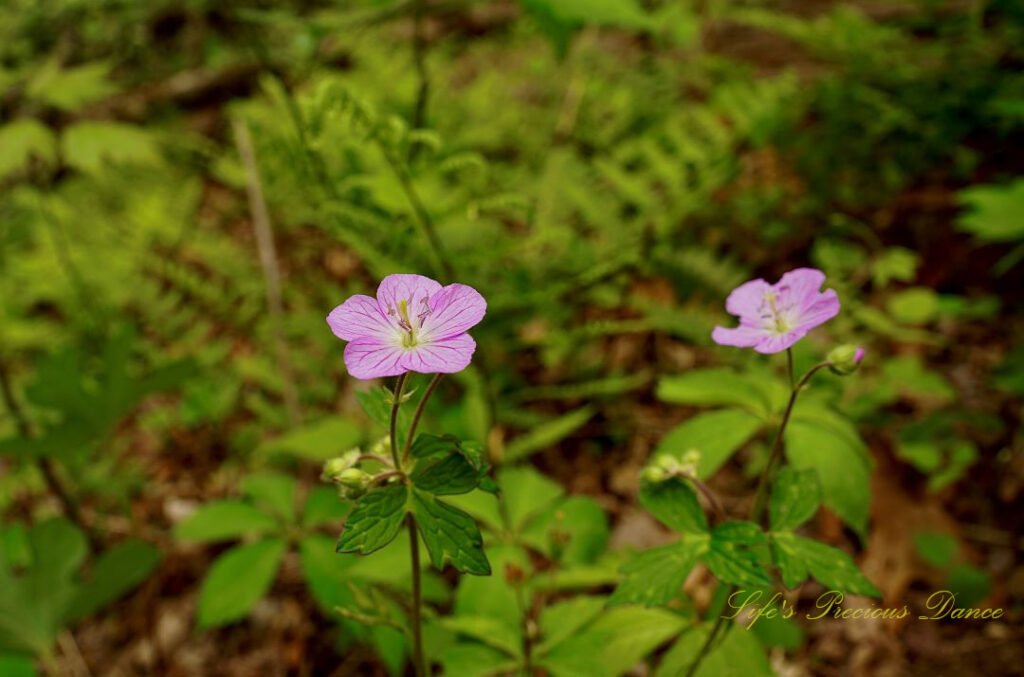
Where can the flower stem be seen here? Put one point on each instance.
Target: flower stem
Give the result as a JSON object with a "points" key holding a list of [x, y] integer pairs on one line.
{"points": [[418, 414], [393, 441], [762, 487], [417, 600]]}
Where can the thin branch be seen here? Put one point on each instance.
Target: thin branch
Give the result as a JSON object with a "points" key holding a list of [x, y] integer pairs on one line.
{"points": [[268, 262]]}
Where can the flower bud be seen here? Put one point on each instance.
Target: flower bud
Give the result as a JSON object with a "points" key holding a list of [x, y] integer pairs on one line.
{"points": [[353, 482], [334, 467], [654, 474], [845, 359]]}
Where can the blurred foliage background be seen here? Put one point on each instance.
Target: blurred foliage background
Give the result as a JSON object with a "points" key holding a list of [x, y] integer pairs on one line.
{"points": [[187, 188]]}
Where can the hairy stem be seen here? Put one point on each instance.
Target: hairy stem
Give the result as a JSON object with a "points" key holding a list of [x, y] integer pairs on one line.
{"points": [[419, 414], [393, 440], [762, 487]]}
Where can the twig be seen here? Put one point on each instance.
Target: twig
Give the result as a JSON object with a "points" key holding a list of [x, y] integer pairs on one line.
{"points": [[268, 262]]}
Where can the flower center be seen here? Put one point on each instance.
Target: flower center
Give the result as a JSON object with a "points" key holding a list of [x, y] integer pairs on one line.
{"points": [[405, 322], [775, 317]]}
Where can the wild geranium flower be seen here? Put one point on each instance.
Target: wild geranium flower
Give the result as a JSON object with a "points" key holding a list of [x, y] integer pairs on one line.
{"points": [[414, 324], [775, 316]]}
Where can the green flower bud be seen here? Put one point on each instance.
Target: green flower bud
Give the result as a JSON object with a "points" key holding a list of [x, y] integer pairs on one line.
{"points": [[334, 467], [353, 482], [654, 474], [845, 359]]}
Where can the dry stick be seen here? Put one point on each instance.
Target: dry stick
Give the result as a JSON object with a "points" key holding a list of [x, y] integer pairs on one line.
{"points": [[47, 466], [762, 486], [268, 262]]}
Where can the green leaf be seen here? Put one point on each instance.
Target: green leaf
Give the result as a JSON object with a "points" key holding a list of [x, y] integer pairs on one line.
{"points": [[715, 434], [561, 620], [737, 654], [450, 535], [317, 441], [22, 140], [970, 584], [70, 88], [117, 571], [375, 520], [994, 213], [376, 402], [730, 560], [17, 665], [842, 471], [795, 556], [487, 630], [796, 496], [326, 572], [656, 576], [574, 529], [89, 145], [613, 644], [224, 520], [323, 506], [273, 491], [675, 505], [526, 493], [446, 465], [475, 660], [936, 548], [916, 305], [546, 434], [237, 580], [713, 387]]}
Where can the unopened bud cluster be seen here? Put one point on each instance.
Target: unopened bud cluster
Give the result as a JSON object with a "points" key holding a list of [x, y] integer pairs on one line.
{"points": [[667, 466]]}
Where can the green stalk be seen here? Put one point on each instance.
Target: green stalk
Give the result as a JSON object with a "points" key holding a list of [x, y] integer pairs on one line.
{"points": [[762, 488], [418, 414]]}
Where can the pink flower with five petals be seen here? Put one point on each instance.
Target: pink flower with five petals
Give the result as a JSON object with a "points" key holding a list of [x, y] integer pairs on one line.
{"points": [[414, 324], [775, 316]]}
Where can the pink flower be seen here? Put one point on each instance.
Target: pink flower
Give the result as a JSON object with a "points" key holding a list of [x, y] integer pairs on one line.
{"points": [[775, 316], [414, 324]]}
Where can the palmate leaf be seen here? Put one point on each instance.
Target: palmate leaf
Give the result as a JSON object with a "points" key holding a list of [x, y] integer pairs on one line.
{"points": [[375, 520], [796, 496], [447, 465], [450, 535], [717, 435], [675, 504], [730, 558], [796, 556], [738, 654], [655, 576]]}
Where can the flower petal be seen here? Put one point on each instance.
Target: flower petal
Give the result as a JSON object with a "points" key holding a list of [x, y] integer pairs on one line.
{"points": [[776, 343], [800, 287], [359, 316], [444, 356], [414, 289], [821, 310], [747, 299], [454, 310], [740, 337], [369, 357]]}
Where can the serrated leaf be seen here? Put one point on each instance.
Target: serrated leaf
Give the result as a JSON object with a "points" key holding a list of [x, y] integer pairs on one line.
{"points": [[89, 145], [446, 465], [734, 565], [656, 576], [717, 435], [450, 535], [675, 505], [224, 520], [114, 573], [796, 496], [375, 520], [237, 580], [796, 556], [713, 387], [487, 630], [561, 620]]}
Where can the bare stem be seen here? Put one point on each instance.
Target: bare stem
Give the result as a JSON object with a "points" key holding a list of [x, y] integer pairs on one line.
{"points": [[418, 414], [393, 441], [268, 262], [417, 600]]}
